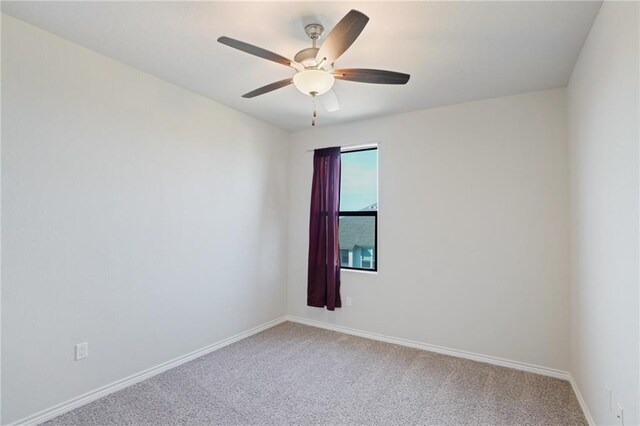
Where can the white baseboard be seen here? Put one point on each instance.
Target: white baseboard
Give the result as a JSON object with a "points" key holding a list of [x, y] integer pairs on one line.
{"points": [[545, 371], [88, 397], [581, 401]]}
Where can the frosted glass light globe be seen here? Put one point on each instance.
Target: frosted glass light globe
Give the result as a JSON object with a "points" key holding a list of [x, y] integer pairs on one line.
{"points": [[312, 82]]}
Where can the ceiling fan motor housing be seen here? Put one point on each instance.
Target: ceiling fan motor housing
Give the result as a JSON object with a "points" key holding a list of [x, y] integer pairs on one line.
{"points": [[307, 57]]}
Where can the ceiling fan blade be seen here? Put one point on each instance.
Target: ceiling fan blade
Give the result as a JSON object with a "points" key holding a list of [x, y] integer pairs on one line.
{"points": [[257, 51], [329, 101], [342, 36], [363, 75], [268, 88]]}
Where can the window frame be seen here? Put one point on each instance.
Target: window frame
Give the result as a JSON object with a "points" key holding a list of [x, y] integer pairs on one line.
{"points": [[363, 213]]}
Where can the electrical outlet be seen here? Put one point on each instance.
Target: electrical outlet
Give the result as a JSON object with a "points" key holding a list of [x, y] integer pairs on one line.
{"points": [[82, 351], [609, 401], [348, 301], [620, 414]]}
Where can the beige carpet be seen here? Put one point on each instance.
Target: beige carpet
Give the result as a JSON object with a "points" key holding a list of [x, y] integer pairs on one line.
{"points": [[295, 374]]}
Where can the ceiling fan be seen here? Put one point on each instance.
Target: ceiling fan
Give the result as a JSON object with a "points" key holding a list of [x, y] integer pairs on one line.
{"points": [[315, 72]]}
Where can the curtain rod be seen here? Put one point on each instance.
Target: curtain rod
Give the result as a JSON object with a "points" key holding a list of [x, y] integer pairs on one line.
{"points": [[354, 146]]}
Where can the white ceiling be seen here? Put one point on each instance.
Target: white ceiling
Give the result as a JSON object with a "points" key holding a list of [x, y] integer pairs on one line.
{"points": [[455, 51]]}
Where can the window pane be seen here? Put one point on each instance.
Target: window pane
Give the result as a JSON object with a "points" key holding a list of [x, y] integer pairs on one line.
{"points": [[359, 180], [357, 241], [344, 257]]}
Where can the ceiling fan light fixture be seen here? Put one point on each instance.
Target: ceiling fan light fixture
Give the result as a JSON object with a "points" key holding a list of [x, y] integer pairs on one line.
{"points": [[313, 82]]}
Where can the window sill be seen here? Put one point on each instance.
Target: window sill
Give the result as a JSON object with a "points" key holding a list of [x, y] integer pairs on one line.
{"points": [[359, 271]]}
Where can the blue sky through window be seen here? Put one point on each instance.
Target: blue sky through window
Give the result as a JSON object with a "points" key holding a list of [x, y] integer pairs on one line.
{"points": [[359, 180]]}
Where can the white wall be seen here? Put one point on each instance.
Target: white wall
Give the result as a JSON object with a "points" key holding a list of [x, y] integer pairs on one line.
{"points": [[473, 232], [603, 127], [136, 216], [0, 228]]}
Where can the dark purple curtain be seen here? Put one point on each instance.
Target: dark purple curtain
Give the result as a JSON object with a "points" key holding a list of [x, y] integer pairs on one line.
{"points": [[323, 285]]}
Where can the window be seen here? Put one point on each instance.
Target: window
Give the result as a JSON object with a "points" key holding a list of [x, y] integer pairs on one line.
{"points": [[358, 224]]}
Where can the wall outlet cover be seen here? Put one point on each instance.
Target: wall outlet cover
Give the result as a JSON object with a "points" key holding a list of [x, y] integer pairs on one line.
{"points": [[82, 351]]}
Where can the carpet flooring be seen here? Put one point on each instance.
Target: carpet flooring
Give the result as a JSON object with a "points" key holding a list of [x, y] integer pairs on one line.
{"points": [[296, 374]]}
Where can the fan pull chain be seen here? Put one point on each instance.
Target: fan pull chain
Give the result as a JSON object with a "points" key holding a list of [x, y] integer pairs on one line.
{"points": [[315, 113]]}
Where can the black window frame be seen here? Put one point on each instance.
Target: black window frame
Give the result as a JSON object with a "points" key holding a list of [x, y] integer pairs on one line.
{"points": [[362, 213]]}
